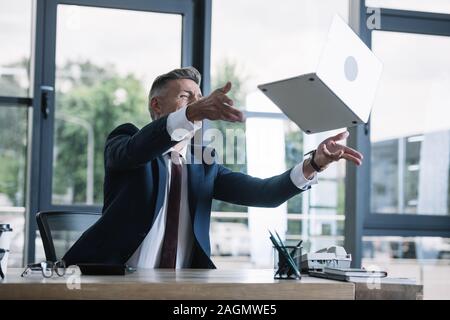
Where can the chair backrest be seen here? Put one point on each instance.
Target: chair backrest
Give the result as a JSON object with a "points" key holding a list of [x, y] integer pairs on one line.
{"points": [[60, 229]]}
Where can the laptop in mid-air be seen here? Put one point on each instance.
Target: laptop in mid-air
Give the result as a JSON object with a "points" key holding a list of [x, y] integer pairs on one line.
{"points": [[342, 90]]}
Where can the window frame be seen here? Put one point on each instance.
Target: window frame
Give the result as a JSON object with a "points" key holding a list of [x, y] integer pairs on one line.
{"points": [[25, 102], [360, 220], [290, 216], [195, 51]]}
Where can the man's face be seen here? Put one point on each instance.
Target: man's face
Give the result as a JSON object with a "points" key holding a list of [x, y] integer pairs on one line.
{"points": [[176, 94]]}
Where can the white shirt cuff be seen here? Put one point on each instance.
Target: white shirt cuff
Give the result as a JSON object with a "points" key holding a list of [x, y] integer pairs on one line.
{"points": [[298, 178], [179, 127]]}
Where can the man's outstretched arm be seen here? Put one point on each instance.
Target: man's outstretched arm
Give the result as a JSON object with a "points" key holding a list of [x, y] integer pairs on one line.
{"points": [[246, 190], [243, 189]]}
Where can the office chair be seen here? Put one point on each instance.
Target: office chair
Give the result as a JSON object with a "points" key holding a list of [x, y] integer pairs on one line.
{"points": [[60, 229]]}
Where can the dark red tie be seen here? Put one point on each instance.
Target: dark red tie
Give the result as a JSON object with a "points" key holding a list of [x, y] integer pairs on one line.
{"points": [[169, 248]]}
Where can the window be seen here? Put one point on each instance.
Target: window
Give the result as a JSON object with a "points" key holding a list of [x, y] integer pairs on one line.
{"points": [[15, 37], [425, 259], [272, 43], [410, 122], [106, 61], [438, 6], [407, 216], [13, 155], [323, 206]]}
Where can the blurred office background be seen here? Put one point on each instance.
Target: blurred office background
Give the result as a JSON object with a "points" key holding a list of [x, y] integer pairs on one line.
{"points": [[101, 58]]}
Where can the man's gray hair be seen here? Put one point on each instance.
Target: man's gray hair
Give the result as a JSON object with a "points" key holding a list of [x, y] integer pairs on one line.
{"points": [[161, 81]]}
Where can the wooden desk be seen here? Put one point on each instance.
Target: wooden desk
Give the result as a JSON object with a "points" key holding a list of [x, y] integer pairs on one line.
{"points": [[181, 284]]}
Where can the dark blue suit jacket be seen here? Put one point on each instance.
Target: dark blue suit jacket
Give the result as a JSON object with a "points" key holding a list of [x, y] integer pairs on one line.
{"points": [[135, 179]]}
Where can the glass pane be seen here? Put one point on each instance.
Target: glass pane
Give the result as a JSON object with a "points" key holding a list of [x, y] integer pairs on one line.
{"points": [[234, 148], [15, 37], [293, 146], [106, 61], [410, 122], [438, 6], [323, 205], [317, 216], [13, 155], [273, 43], [425, 259]]}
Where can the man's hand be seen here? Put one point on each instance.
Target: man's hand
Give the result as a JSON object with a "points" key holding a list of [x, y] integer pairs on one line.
{"points": [[216, 106], [330, 151]]}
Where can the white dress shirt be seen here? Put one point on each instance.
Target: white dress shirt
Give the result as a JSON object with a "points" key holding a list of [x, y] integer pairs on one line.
{"points": [[148, 253]]}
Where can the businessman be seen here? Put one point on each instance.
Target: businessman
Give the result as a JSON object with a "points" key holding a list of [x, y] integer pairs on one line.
{"points": [[157, 205]]}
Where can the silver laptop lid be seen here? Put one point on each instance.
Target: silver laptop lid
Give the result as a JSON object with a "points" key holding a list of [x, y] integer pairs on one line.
{"points": [[341, 91], [350, 69]]}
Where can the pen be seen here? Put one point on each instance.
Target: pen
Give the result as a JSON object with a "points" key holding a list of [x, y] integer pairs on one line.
{"points": [[297, 246], [278, 250]]}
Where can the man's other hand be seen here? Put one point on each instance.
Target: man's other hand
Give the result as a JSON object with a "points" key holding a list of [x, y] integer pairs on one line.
{"points": [[216, 106], [330, 151]]}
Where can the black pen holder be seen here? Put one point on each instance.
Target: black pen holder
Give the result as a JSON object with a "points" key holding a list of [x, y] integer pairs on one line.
{"points": [[283, 270]]}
